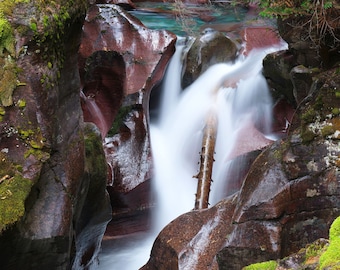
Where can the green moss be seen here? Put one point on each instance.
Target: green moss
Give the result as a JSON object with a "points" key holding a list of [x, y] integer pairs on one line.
{"points": [[38, 154], [2, 111], [269, 265], [95, 157], [8, 80], [7, 40], [21, 103], [334, 231], [330, 259], [337, 94], [34, 139], [314, 250], [336, 111], [14, 190], [120, 117], [307, 135], [309, 116], [327, 130], [24, 134]]}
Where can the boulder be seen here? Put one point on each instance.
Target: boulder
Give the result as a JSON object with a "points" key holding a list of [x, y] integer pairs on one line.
{"points": [[210, 48]]}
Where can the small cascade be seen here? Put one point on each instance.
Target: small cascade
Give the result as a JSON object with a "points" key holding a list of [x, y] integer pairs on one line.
{"points": [[238, 94]]}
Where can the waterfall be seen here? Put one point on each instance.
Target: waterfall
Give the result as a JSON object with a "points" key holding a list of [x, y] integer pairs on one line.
{"points": [[238, 94]]}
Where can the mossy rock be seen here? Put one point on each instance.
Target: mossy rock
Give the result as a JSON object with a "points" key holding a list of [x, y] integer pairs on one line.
{"points": [[14, 189], [330, 259], [269, 265]]}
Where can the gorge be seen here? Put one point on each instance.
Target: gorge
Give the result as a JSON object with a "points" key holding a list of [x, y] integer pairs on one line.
{"points": [[69, 186]]}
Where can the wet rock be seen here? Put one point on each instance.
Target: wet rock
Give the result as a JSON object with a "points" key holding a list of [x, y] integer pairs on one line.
{"points": [[259, 37], [103, 88], [276, 69], [186, 243], [128, 151], [126, 4], [94, 211], [41, 135], [301, 178], [283, 114], [210, 48], [302, 79], [120, 62]]}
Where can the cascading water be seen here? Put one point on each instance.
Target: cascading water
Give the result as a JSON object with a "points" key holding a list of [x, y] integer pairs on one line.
{"points": [[237, 93]]}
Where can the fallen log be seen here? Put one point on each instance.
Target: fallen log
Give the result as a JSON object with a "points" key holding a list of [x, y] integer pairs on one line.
{"points": [[206, 162]]}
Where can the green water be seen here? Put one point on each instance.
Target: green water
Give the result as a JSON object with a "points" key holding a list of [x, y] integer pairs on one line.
{"points": [[184, 21]]}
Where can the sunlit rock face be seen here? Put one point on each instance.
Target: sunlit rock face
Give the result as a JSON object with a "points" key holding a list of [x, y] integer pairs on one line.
{"points": [[120, 62], [289, 197]]}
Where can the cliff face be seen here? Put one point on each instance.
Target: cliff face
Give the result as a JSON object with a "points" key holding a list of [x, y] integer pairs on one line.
{"points": [[42, 137]]}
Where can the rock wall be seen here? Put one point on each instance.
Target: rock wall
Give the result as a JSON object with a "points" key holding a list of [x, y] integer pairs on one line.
{"points": [[45, 192], [120, 62]]}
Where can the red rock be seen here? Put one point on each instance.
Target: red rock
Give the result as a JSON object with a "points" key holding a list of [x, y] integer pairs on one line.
{"points": [[259, 37], [118, 56]]}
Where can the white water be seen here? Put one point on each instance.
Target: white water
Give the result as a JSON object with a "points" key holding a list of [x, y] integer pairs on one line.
{"points": [[239, 96]]}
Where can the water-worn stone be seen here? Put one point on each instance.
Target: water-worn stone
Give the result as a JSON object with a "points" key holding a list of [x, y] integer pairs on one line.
{"points": [[194, 246], [120, 62], [276, 69], [210, 48], [118, 72]]}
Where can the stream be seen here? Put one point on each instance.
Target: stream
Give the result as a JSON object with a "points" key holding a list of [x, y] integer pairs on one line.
{"points": [[243, 109]]}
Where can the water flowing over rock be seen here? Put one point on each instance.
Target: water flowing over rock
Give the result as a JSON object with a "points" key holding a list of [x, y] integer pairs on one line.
{"points": [[289, 197]]}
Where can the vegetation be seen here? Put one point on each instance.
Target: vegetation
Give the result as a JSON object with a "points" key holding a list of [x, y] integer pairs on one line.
{"points": [[326, 256], [269, 265], [320, 17], [13, 191], [330, 259]]}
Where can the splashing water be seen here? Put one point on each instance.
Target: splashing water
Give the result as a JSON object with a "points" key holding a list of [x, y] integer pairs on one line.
{"points": [[238, 94]]}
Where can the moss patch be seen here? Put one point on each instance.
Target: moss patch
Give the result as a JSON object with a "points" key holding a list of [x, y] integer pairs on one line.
{"points": [[8, 80], [6, 36], [119, 119], [269, 265], [330, 259], [95, 157], [14, 190]]}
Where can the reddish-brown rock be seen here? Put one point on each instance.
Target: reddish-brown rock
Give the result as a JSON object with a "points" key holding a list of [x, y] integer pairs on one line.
{"points": [[119, 56], [193, 239], [120, 61]]}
